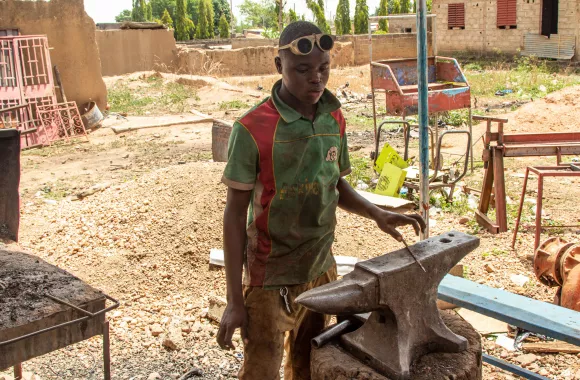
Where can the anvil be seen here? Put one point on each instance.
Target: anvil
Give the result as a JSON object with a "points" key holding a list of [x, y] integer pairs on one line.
{"points": [[405, 322]]}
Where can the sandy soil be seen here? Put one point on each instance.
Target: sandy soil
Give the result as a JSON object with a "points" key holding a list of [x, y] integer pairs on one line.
{"points": [[146, 238]]}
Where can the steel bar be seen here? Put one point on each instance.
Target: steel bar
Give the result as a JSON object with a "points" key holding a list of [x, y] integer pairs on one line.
{"points": [[471, 134], [530, 314], [423, 108], [517, 226], [332, 333], [516, 370], [413, 255], [80, 310], [106, 351], [376, 18], [18, 372], [79, 320]]}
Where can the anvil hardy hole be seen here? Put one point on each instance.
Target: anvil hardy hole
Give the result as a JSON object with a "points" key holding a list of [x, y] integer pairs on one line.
{"points": [[445, 240], [451, 235]]}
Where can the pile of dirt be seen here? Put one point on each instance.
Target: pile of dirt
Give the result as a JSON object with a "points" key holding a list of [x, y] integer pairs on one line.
{"points": [[557, 112]]}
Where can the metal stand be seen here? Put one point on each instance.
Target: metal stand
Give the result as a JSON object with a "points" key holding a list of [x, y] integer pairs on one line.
{"points": [[541, 172]]}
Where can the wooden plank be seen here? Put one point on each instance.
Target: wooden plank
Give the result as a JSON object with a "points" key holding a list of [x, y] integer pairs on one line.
{"points": [[554, 346], [555, 137], [533, 315]]}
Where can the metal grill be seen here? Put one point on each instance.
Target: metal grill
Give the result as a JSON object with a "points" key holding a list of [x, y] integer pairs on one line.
{"points": [[61, 121], [26, 80]]}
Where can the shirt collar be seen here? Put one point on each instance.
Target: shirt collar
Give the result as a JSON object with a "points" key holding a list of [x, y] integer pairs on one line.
{"points": [[328, 103]]}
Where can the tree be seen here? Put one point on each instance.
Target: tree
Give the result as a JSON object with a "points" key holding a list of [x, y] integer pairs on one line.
{"points": [[138, 14], [396, 7], [259, 14], [220, 7], [205, 20], [148, 12], [123, 16], [224, 27], [405, 6], [183, 24], [158, 7], [319, 14], [343, 17], [292, 17], [166, 19], [383, 24], [414, 6], [361, 17]]}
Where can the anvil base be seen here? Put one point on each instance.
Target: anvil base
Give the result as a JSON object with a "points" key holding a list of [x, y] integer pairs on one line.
{"points": [[333, 361]]}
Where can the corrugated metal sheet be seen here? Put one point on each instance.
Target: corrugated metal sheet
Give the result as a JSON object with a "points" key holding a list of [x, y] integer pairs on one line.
{"points": [[456, 15], [557, 46], [506, 13]]}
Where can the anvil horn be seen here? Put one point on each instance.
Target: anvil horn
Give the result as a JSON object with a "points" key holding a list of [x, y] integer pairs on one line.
{"points": [[356, 293]]}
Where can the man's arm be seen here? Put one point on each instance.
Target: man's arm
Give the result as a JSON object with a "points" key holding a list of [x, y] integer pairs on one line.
{"points": [[349, 200], [235, 216]]}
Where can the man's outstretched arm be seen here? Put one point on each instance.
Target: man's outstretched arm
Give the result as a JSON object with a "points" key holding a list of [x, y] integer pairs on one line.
{"points": [[349, 200], [235, 315]]}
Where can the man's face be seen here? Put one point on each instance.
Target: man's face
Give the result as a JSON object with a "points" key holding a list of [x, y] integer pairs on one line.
{"points": [[305, 76]]}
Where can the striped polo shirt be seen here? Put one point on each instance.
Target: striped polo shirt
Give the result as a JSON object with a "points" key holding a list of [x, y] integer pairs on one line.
{"points": [[292, 166]]}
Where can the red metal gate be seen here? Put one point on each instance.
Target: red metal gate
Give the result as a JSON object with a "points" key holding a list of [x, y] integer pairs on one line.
{"points": [[26, 79]]}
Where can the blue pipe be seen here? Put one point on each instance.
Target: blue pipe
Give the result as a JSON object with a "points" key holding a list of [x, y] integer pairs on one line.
{"points": [[423, 111]]}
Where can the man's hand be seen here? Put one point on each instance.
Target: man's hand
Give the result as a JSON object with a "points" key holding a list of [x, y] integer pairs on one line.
{"points": [[235, 316], [389, 221]]}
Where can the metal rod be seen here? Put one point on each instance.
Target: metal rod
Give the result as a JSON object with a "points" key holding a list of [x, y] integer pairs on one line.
{"points": [[539, 211], [375, 18], [471, 133], [331, 333], [413, 255], [58, 300], [517, 226], [422, 90], [79, 320], [18, 371], [526, 374], [106, 351]]}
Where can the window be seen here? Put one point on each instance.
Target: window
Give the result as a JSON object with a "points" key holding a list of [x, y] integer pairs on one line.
{"points": [[506, 14], [456, 16]]}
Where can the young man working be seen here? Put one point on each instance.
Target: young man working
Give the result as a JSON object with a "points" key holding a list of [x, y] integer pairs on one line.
{"points": [[287, 160]]}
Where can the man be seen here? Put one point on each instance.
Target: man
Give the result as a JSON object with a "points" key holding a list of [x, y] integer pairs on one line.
{"points": [[286, 160]]}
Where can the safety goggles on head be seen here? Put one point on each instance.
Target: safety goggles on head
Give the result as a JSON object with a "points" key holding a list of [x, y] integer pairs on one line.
{"points": [[304, 45]]}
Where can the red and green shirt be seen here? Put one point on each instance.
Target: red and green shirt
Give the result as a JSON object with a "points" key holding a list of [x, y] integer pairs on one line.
{"points": [[292, 166]]}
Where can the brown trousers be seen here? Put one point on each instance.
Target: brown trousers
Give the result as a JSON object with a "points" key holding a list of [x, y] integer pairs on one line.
{"points": [[268, 322]]}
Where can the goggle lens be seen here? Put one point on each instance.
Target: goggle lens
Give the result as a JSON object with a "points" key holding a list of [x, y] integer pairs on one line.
{"points": [[304, 46], [326, 42]]}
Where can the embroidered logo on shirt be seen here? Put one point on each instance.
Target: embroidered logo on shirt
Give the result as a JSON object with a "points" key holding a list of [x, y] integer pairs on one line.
{"points": [[332, 154]]}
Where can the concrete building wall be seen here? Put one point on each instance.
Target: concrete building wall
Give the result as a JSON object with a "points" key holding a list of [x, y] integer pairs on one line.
{"points": [[71, 34], [481, 33], [128, 51]]}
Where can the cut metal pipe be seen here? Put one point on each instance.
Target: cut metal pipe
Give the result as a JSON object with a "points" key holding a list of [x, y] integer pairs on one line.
{"points": [[331, 333]]}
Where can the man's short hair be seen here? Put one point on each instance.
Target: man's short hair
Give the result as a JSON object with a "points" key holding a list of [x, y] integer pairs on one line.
{"points": [[297, 29]]}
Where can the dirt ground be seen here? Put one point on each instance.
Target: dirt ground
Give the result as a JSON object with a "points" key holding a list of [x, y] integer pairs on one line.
{"points": [[145, 237]]}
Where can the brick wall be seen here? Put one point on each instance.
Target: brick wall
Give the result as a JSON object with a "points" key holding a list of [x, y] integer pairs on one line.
{"points": [[387, 46], [481, 33]]}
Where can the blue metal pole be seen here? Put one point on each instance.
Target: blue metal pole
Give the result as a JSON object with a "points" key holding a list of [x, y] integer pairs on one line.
{"points": [[423, 111]]}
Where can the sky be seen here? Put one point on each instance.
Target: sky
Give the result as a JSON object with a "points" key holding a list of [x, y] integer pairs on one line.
{"points": [[106, 10]]}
